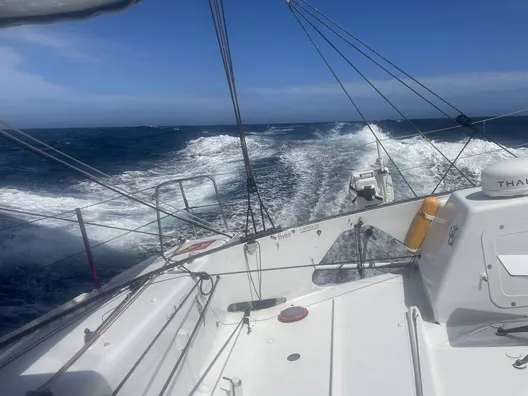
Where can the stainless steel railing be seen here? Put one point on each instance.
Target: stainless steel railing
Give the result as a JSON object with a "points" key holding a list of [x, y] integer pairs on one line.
{"points": [[188, 208]]}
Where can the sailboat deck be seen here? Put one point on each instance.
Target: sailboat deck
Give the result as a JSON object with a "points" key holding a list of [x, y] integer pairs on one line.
{"points": [[325, 340], [357, 341]]}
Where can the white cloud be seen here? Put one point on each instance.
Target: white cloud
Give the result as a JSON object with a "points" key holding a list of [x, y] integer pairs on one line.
{"points": [[26, 98], [29, 99], [73, 46], [457, 84], [9, 57], [18, 85]]}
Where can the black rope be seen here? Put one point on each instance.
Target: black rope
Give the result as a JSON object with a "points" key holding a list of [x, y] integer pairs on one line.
{"points": [[73, 221], [73, 210], [160, 332], [262, 206], [250, 213], [210, 366], [352, 101], [381, 94], [498, 144], [317, 266], [449, 168], [391, 64], [220, 25], [102, 183], [375, 62], [183, 353], [493, 141], [28, 136], [202, 278], [103, 243], [127, 284], [382, 57], [52, 333]]}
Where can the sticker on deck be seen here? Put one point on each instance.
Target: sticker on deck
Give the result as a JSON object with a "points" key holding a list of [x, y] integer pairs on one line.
{"points": [[195, 247]]}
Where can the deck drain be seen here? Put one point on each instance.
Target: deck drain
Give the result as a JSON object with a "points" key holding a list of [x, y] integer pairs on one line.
{"points": [[293, 357]]}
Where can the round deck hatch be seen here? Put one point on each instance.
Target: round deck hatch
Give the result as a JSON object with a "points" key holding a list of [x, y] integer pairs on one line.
{"points": [[293, 314]]}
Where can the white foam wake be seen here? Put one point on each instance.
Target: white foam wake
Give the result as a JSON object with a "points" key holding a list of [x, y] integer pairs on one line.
{"points": [[300, 180]]}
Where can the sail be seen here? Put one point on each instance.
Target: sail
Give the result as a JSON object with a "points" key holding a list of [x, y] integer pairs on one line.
{"points": [[23, 12]]}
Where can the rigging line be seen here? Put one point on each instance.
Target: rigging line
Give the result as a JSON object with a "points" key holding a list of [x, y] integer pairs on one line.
{"points": [[238, 328], [183, 353], [8, 126], [376, 63], [250, 276], [158, 335], [102, 183], [73, 210], [102, 243], [92, 337], [351, 100], [495, 142], [501, 116], [454, 127], [53, 332], [425, 133], [471, 155], [223, 45], [235, 94], [220, 24], [382, 57], [248, 213], [260, 268], [317, 266], [449, 168], [75, 221], [160, 363], [105, 291], [381, 94], [262, 206], [223, 42]]}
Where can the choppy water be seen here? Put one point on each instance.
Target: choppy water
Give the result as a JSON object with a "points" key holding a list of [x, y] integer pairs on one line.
{"points": [[302, 170]]}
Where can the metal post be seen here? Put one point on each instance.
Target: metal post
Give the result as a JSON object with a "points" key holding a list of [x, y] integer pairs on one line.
{"points": [[361, 253], [187, 207], [366, 237], [158, 217], [235, 386], [219, 202], [88, 248]]}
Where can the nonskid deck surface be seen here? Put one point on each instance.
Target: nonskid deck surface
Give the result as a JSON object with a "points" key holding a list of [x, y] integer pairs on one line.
{"points": [[352, 334], [356, 340]]}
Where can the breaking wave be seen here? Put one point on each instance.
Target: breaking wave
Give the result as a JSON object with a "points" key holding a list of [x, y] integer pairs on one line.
{"points": [[303, 172]]}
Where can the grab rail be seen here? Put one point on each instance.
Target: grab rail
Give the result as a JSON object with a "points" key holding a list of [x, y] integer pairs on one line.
{"points": [[81, 222], [188, 208]]}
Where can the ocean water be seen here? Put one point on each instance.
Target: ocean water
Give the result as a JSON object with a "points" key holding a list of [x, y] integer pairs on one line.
{"points": [[303, 172]]}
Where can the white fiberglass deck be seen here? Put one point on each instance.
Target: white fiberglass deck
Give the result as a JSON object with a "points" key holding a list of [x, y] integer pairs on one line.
{"points": [[341, 326], [356, 341]]}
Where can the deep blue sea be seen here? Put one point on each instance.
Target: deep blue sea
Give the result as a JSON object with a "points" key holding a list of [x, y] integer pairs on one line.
{"points": [[303, 172]]}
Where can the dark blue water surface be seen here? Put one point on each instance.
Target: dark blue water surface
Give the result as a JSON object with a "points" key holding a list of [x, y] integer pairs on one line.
{"points": [[302, 170]]}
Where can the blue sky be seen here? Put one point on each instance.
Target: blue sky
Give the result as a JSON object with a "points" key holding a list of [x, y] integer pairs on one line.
{"points": [[158, 63]]}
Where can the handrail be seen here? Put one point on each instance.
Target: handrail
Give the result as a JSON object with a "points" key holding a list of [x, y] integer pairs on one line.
{"points": [[188, 208], [127, 231]]}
